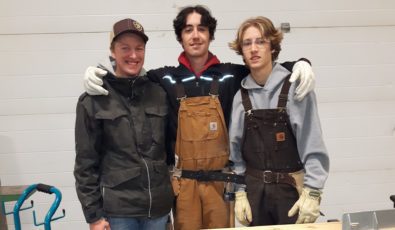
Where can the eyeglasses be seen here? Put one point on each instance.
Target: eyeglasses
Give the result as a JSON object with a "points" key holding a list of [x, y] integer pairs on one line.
{"points": [[259, 42]]}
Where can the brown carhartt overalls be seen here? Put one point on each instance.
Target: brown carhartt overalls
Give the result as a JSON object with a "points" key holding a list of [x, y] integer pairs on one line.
{"points": [[270, 152], [202, 145]]}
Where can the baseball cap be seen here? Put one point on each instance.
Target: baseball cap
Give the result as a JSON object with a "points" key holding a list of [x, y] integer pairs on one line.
{"points": [[128, 25]]}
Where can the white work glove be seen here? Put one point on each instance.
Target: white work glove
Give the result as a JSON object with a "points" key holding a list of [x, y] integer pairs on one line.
{"points": [[243, 209], [302, 70], [93, 81], [308, 206]]}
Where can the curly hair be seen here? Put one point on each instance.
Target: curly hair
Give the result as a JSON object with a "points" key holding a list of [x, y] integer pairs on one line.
{"points": [[179, 23], [268, 31]]}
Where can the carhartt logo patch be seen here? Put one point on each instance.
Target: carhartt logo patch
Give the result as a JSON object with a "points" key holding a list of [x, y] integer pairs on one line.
{"points": [[280, 136], [213, 126]]}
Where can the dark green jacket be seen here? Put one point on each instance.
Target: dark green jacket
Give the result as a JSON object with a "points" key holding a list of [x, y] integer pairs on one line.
{"points": [[120, 167]]}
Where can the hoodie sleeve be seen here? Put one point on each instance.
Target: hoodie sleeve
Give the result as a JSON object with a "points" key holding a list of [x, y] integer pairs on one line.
{"points": [[307, 129], [236, 129]]}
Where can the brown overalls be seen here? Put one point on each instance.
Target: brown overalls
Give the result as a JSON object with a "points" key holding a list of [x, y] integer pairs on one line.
{"points": [[270, 152], [202, 145]]}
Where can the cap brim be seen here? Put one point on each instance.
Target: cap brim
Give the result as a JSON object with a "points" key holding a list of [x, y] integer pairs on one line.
{"points": [[142, 35]]}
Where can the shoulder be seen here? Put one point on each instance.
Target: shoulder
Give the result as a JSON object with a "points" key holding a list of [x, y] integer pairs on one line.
{"points": [[155, 90], [234, 68], [86, 99], [162, 71], [154, 86], [237, 98], [90, 102], [83, 97]]}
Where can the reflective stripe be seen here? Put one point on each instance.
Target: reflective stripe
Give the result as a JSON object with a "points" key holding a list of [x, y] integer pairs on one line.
{"points": [[206, 78], [172, 81], [188, 79], [225, 77]]}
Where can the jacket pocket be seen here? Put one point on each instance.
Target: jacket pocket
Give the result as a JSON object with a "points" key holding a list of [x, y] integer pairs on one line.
{"points": [[110, 114], [116, 127], [115, 178], [161, 174], [159, 111], [121, 188], [156, 117]]}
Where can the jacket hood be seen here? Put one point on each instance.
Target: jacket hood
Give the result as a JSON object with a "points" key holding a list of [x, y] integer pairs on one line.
{"points": [[274, 80]]}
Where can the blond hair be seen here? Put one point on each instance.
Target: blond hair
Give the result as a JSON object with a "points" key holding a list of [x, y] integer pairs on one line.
{"points": [[268, 31]]}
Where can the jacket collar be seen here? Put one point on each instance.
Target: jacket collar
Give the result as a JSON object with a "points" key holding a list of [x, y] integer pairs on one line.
{"points": [[131, 87], [211, 60]]}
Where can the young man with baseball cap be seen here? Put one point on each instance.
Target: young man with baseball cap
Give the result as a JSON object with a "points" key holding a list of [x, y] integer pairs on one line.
{"points": [[122, 179]]}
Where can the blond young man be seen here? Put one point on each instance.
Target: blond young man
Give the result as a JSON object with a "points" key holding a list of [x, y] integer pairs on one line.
{"points": [[274, 138]]}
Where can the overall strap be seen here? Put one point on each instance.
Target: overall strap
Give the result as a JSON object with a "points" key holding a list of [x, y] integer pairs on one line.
{"points": [[214, 87], [180, 90], [245, 100], [283, 97]]}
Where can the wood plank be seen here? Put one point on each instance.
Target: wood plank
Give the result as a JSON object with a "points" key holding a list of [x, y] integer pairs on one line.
{"points": [[11, 193], [320, 226]]}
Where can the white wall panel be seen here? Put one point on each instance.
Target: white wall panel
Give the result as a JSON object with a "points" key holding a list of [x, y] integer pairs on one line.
{"points": [[49, 17], [38, 105], [57, 179], [36, 141], [36, 122], [41, 86], [358, 109], [37, 162], [360, 147]]}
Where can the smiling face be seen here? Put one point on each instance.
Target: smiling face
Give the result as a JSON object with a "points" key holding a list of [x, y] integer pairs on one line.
{"points": [[256, 49], [129, 53], [195, 38]]}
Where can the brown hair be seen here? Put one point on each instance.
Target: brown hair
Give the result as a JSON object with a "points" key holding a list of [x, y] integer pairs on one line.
{"points": [[179, 23], [268, 31]]}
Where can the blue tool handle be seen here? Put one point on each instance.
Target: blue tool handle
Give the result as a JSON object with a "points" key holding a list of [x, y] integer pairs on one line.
{"points": [[44, 188], [17, 207]]}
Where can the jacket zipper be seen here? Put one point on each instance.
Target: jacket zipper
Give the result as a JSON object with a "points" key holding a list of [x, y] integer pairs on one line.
{"points": [[149, 187], [146, 167]]}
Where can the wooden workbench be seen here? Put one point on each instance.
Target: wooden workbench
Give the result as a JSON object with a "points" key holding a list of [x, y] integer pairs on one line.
{"points": [[315, 226]]}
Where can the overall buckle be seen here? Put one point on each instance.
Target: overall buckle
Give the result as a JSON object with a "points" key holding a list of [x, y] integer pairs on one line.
{"points": [[268, 177]]}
